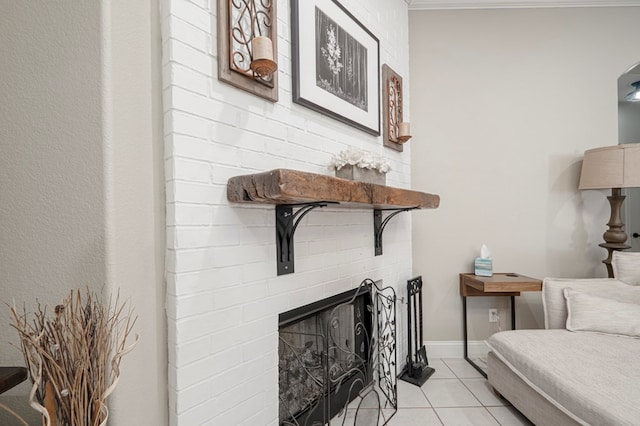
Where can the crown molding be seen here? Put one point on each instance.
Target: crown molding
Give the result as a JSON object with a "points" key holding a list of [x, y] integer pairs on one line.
{"points": [[514, 4]]}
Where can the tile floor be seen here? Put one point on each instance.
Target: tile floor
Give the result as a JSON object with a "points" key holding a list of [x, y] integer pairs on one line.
{"points": [[456, 394]]}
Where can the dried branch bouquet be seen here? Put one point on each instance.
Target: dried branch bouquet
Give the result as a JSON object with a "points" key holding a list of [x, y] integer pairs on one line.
{"points": [[74, 356]]}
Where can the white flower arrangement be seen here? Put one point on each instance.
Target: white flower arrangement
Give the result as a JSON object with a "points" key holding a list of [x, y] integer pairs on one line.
{"points": [[359, 158]]}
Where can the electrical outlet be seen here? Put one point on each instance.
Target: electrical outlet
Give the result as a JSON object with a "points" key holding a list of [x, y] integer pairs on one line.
{"points": [[493, 315]]}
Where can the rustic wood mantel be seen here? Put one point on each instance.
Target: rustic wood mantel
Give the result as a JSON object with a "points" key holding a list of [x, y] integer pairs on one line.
{"points": [[293, 189], [284, 186]]}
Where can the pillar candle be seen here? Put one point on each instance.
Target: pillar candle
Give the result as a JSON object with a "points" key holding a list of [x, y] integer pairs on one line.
{"points": [[262, 48], [404, 129]]}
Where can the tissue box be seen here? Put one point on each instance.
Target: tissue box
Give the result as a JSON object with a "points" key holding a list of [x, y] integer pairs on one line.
{"points": [[483, 267]]}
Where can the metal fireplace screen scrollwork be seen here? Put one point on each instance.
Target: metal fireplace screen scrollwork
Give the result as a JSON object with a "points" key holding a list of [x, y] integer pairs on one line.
{"points": [[337, 360]]}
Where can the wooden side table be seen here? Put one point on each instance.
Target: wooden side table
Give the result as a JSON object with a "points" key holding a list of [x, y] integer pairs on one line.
{"points": [[11, 376], [503, 284]]}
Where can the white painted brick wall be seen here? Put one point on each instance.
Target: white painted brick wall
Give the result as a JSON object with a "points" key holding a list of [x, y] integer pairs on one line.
{"points": [[224, 296]]}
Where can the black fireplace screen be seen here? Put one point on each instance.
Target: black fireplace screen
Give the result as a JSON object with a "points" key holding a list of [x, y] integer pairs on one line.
{"points": [[337, 360]]}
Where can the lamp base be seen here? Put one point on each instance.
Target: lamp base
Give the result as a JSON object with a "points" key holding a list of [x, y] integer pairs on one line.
{"points": [[615, 236], [611, 247]]}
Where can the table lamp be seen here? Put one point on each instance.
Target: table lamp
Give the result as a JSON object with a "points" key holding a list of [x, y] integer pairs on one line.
{"points": [[614, 167]]}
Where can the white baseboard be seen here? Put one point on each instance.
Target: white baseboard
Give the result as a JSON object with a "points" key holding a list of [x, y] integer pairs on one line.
{"points": [[455, 349]]}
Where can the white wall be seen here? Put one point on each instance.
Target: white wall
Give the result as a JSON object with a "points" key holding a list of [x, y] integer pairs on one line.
{"points": [[504, 104], [52, 223], [223, 292], [134, 201], [81, 176]]}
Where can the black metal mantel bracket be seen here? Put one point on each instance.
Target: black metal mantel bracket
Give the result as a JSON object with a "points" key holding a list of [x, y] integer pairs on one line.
{"points": [[379, 224], [286, 223]]}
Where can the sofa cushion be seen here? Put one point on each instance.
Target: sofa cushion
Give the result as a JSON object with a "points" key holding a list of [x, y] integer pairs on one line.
{"points": [[591, 377], [555, 305], [587, 312], [626, 266]]}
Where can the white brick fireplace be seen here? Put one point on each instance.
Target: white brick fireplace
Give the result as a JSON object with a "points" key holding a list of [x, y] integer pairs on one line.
{"points": [[224, 296]]}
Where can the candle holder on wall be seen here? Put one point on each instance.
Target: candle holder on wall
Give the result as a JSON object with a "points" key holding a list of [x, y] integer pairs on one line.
{"points": [[262, 63], [396, 131], [247, 48]]}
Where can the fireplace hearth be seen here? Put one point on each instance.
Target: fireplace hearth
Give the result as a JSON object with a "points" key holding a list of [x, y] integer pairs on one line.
{"points": [[338, 356]]}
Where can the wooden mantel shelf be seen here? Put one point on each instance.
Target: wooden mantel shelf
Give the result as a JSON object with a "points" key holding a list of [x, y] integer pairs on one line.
{"points": [[284, 186], [289, 189]]}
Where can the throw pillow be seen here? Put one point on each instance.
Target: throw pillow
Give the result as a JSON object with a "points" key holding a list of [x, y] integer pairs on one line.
{"points": [[555, 304], [626, 266], [587, 312]]}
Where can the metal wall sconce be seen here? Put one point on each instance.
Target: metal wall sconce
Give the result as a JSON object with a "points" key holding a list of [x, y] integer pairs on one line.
{"points": [[396, 131], [247, 48]]}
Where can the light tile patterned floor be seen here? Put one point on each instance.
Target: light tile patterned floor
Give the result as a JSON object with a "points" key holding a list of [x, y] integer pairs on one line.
{"points": [[457, 395]]}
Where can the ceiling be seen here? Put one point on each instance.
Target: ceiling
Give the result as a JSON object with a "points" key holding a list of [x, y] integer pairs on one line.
{"points": [[510, 4]]}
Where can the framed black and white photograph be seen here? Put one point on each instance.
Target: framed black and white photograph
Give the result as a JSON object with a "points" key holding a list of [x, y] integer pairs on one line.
{"points": [[336, 63]]}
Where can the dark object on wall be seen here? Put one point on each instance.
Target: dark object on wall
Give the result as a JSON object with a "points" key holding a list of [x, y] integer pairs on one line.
{"points": [[286, 224], [247, 46], [379, 224], [417, 371], [336, 63]]}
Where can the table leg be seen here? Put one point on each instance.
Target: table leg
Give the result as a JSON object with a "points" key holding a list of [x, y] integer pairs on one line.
{"points": [[513, 312], [464, 325], [466, 338]]}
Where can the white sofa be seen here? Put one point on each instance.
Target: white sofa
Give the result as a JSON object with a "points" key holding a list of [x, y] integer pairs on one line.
{"points": [[584, 368]]}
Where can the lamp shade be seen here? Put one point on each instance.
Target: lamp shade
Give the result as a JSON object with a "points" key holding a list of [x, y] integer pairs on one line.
{"points": [[615, 166]]}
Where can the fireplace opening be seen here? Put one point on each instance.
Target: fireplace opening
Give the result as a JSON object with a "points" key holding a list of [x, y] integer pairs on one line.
{"points": [[330, 353]]}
